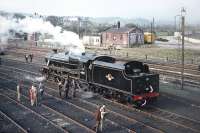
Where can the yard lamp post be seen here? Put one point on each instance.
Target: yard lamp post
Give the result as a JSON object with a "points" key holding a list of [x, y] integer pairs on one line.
{"points": [[183, 11]]}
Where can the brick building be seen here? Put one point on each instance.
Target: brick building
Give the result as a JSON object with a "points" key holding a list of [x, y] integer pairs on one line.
{"points": [[123, 36]]}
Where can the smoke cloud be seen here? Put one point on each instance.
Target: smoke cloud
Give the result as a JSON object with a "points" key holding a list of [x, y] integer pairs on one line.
{"points": [[30, 25]]}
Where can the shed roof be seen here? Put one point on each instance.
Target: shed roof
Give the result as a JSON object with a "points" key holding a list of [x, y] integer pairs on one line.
{"points": [[121, 30]]}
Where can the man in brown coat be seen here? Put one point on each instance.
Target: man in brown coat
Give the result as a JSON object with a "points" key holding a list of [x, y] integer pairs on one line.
{"points": [[97, 118]]}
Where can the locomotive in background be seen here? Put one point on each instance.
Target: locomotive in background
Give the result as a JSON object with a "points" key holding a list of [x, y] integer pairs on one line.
{"points": [[126, 81]]}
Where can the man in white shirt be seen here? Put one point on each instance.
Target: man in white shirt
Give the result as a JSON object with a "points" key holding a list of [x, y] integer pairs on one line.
{"points": [[103, 112], [19, 91]]}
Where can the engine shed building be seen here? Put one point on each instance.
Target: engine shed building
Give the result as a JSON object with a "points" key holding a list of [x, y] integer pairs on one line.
{"points": [[123, 37], [92, 40]]}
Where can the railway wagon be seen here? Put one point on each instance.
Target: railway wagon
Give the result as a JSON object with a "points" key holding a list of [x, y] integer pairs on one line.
{"points": [[126, 81], [149, 38]]}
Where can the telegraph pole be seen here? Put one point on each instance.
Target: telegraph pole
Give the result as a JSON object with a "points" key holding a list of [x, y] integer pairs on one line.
{"points": [[79, 21], [183, 36], [153, 25], [151, 32]]}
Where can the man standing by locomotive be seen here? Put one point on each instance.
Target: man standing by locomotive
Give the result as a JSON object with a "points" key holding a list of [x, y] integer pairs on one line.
{"points": [[66, 86], [74, 86], [60, 88]]}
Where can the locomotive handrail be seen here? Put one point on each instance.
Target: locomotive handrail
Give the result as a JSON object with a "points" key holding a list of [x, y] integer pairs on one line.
{"points": [[64, 69], [63, 61], [65, 77]]}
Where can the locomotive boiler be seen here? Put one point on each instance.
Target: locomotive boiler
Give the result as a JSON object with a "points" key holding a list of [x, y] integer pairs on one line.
{"points": [[126, 81]]}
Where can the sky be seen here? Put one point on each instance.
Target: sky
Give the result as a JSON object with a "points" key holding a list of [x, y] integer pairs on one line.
{"points": [[159, 9]]}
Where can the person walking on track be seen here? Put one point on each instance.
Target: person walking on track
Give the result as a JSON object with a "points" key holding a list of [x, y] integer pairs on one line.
{"points": [[26, 57], [60, 88], [31, 57], [41, 91], [19, 85], [33, 95], [66, 87], [73, 88]]}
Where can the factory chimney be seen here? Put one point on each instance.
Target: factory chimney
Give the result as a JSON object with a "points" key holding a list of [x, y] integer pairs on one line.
{"points": [[118, 24]]}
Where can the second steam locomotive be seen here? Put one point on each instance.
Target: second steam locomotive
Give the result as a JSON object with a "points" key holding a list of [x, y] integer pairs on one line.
{"points": [[126, 81]]}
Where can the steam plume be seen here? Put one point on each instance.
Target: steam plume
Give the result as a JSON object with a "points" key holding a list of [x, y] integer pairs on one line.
{"points": [[30, 25]]}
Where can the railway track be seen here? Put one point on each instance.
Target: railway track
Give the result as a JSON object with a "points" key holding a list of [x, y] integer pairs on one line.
{"points": [[129, 123], [154, 120], [72, 108], [193, 104], [176, 74], [180, 119], [174, 68], [9, 125], [177, 124], [163, 115], [25, 116], [132, 124], [177, 120], [182, 122], [68, 124]]}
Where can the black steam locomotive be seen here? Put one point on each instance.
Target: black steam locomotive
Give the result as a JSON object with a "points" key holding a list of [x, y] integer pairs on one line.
{"points": [[128, 81]]}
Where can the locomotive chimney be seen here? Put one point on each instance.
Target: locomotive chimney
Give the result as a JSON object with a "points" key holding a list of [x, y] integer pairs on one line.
{"points": [[118, 24]]}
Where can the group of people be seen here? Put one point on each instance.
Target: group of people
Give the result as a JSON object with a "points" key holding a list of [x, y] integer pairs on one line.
{"points": [[28, 56], [69, 85], [72, 84], [33, 93]]}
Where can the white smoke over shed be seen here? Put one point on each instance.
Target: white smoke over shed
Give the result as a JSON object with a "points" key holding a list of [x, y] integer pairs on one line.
{"points": [[31, 25]]}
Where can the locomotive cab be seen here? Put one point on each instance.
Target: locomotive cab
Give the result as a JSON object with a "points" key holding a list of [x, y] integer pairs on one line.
{"points": [[145, 84], [136, 68]]}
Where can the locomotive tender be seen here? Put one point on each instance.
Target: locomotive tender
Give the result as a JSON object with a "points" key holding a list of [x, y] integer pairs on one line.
{"points": [[128, 81]]}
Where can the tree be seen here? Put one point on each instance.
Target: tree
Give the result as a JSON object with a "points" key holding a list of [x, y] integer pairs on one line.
{"points": [[56, 21], [19, 16]]}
